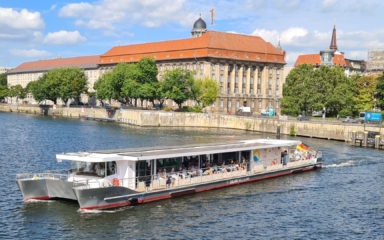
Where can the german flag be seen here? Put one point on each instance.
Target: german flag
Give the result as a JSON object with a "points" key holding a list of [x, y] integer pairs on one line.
{"points": [[302, 147]]}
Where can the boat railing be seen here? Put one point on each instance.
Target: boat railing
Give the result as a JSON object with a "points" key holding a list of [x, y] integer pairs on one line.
{"points": [[44, 175]]}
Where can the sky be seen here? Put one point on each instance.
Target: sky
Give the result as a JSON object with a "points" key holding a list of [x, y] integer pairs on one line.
{"points": [[35, 30]]}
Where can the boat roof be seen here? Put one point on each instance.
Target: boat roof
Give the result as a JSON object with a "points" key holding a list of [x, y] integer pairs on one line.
{"points": [[160, 152]]}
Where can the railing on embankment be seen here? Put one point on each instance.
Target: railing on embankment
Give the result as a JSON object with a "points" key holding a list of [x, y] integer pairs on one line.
{"points": [[150, 118]]}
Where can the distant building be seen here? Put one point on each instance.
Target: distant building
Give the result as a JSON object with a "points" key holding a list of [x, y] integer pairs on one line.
{"points": [[31, 71], [354, 66], [247, 69], [375, 61], [5, 69], [328, 57]]}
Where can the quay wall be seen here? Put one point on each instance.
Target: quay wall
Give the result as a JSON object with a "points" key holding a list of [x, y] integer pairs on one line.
{"points": [[150, 118]]}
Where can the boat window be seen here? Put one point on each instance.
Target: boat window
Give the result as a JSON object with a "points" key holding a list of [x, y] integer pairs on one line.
{"points": [[169, 163], [111, 168]]}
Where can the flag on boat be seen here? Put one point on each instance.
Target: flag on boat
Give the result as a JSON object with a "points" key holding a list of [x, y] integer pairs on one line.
{"points": [[302, 147]]}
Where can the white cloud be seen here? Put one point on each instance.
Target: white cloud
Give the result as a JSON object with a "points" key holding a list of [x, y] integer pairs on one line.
{"points": [[109, 15], [329, 5], [32, 53], [53, 7], [24, 19], [64, 38]]}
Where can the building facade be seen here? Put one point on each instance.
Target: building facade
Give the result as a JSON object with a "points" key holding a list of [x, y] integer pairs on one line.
{"points": [[375, 61], [32, 71], [248, 70], [5, 69]]}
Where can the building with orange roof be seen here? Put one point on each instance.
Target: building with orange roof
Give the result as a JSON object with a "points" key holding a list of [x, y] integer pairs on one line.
{"points": [[247, 69], [31, 71], [332, 57]]}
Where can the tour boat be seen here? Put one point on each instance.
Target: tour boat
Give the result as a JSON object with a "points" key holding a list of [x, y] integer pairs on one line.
{"points": [[114, 178]]}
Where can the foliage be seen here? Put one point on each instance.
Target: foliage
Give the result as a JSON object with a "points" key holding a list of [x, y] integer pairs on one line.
{"points": [[3, 79], [17, 91], [177, 84], [380, 91], [365, 93], [308, 89], [345, 112], [205, 92], [195, 108], [63, 83], [292, 130]]}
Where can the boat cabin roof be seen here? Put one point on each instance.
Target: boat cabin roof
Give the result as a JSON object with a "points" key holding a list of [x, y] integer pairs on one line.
{"points": [[159, 152]]}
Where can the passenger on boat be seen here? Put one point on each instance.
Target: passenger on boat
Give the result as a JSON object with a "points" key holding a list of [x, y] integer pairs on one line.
{"points": [[164, 174]]}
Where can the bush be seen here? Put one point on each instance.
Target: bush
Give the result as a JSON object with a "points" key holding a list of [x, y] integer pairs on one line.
{"points": [[195, 108], [167, 109], [345, 112], [292, 130]]}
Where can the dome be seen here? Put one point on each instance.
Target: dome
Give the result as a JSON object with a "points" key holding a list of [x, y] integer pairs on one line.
{"points": [[200, 24]]}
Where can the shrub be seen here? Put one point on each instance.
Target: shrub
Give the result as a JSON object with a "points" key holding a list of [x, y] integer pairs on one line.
{"points": [[292, 130], [345, 112], [167, 109]]}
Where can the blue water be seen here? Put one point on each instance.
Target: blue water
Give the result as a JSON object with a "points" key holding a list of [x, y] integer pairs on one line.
{"points": [[344, 200]]}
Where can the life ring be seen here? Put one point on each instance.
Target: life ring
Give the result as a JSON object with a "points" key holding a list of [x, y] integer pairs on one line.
{"points": [[273, 162], [115, 182]]}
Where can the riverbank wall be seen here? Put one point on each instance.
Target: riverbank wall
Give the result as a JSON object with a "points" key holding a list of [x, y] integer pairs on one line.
{"points": [[150, 118]]}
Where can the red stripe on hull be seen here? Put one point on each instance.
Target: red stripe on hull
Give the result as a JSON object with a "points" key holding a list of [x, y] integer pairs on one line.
{"points": [[37, 198], [197, 190]]}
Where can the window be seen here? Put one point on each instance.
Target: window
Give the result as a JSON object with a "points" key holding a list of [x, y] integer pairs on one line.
{"points": [[259, 104], [251, 91], [277, 92], [187, 66], [244, 80], [194, 66], [237, 79], [229, 68], [213, 67], [269, 92], [161, 67], [244, 69], [236, 68], [243, 90], [221, 103], [252, 104], [259, 80], [237, 104], [277, 104], [258, 91], [201, 66], [221, 78], [270, 70], [278, 71], [221, 67], [167, 67], [229, 79], [252, 69], [213, 76], [251, 80], [269, 104], [277, 81], [221, 89], [229, 103], [236, 90], [269, 81]]}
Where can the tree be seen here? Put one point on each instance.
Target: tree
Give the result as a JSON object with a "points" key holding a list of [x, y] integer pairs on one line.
{"points": [[17, 91], [380, 91], [3, 79], [365, 93], [205, 92], [307, 89], [177, 85], [73, 82]]}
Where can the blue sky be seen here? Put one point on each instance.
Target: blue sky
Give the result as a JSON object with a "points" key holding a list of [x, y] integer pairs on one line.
{"points": [[33, 30]]}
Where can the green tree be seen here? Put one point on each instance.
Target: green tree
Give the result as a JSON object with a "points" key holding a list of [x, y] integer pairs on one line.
{"points": [[73, 82], [365, 92], [380, 91], [205, 92], [3, 79], [296, 94], [177, 85], [17, 91]]}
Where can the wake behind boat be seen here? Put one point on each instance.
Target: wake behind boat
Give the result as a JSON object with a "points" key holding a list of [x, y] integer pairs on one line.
{"points": [[115, 178]]}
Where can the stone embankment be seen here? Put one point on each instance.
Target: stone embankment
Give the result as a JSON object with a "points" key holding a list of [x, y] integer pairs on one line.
{"points": [[150, 118]]}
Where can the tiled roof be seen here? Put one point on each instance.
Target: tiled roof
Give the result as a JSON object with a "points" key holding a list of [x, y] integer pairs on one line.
{"points": [[210, 44], [86, 62], [313, 59]]}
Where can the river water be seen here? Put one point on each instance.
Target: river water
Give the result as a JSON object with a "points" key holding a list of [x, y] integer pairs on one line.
{"points": [[344, 200]]}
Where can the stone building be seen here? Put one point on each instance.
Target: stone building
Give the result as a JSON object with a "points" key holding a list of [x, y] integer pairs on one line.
{"points": [[31, 71], [247, 69]]}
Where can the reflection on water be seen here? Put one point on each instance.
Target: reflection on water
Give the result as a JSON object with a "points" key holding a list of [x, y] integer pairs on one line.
{"points": [[342, 200]]}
